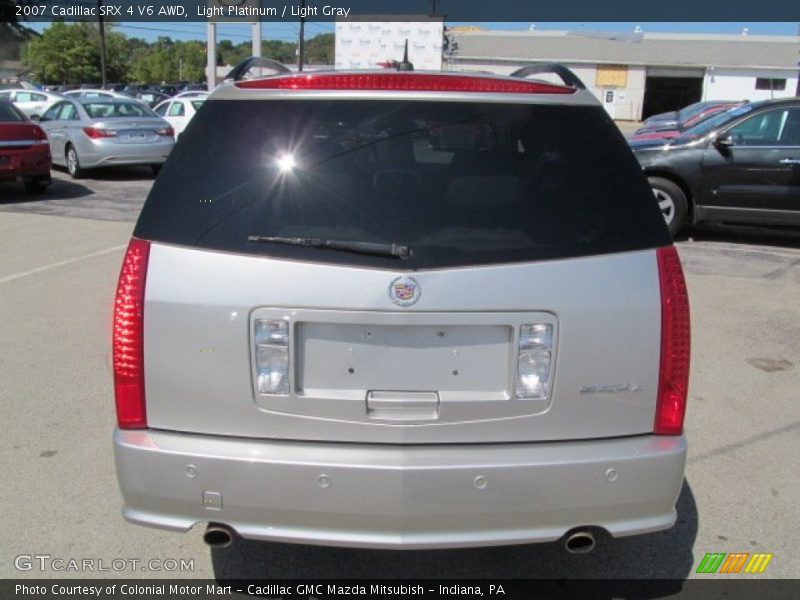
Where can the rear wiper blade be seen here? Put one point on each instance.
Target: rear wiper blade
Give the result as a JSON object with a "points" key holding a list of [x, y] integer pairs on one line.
{"points": [[394, 250]]}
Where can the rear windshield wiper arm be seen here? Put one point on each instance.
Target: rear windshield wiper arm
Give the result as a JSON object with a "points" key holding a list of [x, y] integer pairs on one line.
{"points": [[394, 250]]}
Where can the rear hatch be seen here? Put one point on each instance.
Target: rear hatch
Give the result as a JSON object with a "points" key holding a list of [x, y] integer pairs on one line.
{"points": [[402, 270]]}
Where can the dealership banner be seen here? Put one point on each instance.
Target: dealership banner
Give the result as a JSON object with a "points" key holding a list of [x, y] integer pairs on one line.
{"points": [[368, 45], [397, 10]]}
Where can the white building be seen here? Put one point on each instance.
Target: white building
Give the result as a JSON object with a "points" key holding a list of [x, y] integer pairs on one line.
{"points": [[639, 74]]}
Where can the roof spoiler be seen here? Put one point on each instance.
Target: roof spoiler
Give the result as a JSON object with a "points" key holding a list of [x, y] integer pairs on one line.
{"points": [[255, 62], [568, 77]]}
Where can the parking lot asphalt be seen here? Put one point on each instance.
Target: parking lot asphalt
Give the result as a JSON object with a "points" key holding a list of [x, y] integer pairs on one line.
{"points": [[60, 255], [109, 195]]}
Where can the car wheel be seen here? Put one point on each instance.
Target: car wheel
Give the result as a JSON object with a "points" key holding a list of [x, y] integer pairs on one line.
{"points": [[73, 164], [35, 187], [671, 201]]}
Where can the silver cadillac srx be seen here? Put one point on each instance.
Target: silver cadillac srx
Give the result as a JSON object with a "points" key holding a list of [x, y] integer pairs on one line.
{"points": [[401, 310]]}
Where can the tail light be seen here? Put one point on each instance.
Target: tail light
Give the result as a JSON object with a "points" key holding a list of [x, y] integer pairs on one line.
{"points": [[96, 133], [166, 131], [39, 136], [404, 82], [673, 381], [128, 337]]}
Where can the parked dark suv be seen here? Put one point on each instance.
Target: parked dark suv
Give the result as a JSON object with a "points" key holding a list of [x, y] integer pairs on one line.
{"points": [[401, 310], [741, 166]]}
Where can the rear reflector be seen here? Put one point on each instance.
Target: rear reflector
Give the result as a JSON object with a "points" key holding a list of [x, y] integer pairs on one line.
{"points": [[403, 82], [128, 337], [675, 343]]}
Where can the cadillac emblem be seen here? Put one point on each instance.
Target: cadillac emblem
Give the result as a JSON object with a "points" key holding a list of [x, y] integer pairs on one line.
{"points": [[404, 291]]}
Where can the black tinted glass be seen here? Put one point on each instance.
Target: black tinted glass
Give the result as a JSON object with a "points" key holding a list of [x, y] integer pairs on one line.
{"points": [[9, 113], [717, 120], [459, 183]]}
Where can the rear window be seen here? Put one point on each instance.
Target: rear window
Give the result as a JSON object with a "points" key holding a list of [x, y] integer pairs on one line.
{"points": [[712, 123], [109, 110], [9, 113], [691, 110], [458, 183]]}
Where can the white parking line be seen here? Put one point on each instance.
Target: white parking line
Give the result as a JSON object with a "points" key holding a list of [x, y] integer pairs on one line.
{"points": [[61, 263]]}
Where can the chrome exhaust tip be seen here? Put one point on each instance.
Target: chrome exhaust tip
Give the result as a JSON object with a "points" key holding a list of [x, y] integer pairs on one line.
{"points": [[579, 542], [218, 535]]}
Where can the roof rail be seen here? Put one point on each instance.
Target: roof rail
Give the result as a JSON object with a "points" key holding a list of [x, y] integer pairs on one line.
{"points": [[568, 77], [255, 62]]}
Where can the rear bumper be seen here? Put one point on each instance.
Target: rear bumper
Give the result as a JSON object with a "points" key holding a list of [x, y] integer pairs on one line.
{"points": [[108, 154], [384, 496], [29, 164]]}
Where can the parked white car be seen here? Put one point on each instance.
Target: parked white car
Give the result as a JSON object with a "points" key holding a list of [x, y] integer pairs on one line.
{"points": [[192, 94], [178, 111], [31, 102]]}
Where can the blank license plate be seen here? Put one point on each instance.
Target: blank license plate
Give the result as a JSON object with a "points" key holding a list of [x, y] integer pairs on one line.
{"points": [[409, 358]]}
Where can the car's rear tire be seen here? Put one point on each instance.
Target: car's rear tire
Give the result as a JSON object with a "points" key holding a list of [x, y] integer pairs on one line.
{"points": [[73, 163], [35, 187], [671, 201]]}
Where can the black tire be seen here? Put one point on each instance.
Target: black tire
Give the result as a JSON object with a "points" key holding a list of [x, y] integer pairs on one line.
{"points": [[35, 187], [73, 163], [672, 202]]}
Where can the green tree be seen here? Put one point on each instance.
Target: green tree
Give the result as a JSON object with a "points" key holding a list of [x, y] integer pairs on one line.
{"points": [[284, 52], [63, 54], [166, 60], [118, 64], [135, 49], [158, 63], [228, 54], [71, 54], [319, 50], [192, 60]]}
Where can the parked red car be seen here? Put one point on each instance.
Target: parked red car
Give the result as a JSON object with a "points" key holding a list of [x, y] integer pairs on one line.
{"points": [[667, 131], [24, 149]]}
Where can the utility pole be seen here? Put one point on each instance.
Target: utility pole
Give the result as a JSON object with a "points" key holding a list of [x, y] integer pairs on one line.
{"points": [[301, 46], [102, 43]]}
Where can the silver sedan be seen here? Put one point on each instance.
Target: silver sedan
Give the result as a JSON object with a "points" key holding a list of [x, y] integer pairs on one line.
{"points": [[93, 133]]}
